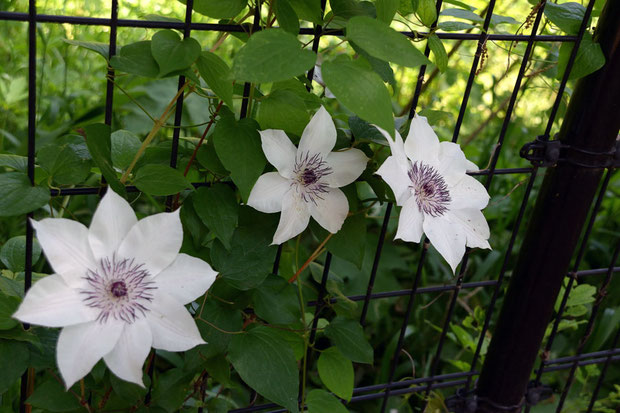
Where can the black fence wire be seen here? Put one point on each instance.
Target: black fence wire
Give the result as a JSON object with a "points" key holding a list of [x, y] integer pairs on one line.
{"points": [[464, 382]]}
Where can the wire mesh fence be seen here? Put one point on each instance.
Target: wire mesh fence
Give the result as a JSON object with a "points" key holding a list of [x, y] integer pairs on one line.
{"points": [[462, 383]]}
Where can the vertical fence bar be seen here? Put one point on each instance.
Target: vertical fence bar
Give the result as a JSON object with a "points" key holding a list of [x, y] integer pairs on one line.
{"points": [[571, 280], [487, 184], [601, 377], [109, 96], [32, 125], [474, 67], [602, 292], [591, 123], [178, 113]]}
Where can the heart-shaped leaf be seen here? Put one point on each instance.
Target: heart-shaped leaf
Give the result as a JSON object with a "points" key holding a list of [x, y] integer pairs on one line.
{"points": [[173, 54]]}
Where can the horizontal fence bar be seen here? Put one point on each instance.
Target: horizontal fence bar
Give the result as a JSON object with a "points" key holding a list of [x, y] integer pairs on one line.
{"points": [[567, 366], [585, 359], [606, 353], [154, 24], [442, 288], [421, 290]]}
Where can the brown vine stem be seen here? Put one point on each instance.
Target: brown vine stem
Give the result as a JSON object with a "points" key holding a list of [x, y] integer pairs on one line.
{"points": [[313, 256], [198, 145], [159, 123]]}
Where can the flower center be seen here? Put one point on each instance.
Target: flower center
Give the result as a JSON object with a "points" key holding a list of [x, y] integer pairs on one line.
{"points": [[309, 170], [120, 289], [430, 189]]}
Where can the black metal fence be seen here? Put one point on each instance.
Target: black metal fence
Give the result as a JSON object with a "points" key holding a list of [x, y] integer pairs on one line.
{"points": [[463, 383]]}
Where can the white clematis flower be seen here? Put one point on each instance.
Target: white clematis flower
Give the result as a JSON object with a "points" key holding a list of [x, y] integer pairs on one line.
{"points": [[437, 197], [308, 178], [119, 289]]}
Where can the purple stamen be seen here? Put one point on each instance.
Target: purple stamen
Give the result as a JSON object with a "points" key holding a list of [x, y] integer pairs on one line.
{"points": [[120, 289], [309, 170], [430, 189]]}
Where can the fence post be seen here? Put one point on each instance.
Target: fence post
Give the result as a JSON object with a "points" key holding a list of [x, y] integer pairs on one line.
{"points": [[591, 125]]}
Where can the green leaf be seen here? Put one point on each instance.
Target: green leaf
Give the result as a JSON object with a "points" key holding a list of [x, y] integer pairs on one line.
{"points": [[283, 109], [381, 67], [363, 130], [249, 261], [173, 54], [267, 364], [361, 90], [348, 336], [8, 306], [590, 58], [286, 16], [218, 209], [18, 196], [347, 9], [567, 16], [51, 396], [427, 12], [124, 146], [14, 357], [454, 26], [581, 294], [383, 42], [499, 19], [462, 14], [13, 253], [271, 55], [276, 301], [386, 9], [136, 58], [19, 163], [336, 372], [101, 48], [67, 163], [223, 318], [350, 242], [216, 74], [219, 9], [238, 146], [439, 52], [309, 10], [320, 401], [208, 158], [155, 179], [100, 148]]}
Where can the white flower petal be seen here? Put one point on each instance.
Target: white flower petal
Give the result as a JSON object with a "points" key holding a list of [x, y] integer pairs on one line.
{"points": [[452, 162], [331, 211], [468, 193], [422, 143], [268, 192], [279, 150], [186, 279], [131, 350], [410, 222], [397, 147], [346, 166], [294, 218], [172, 326], [475, 226], [113, 218], [52, 303], [154, 241], [81, 346], [447, 238], [319, 136], [66, 247], [396, 177]]}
